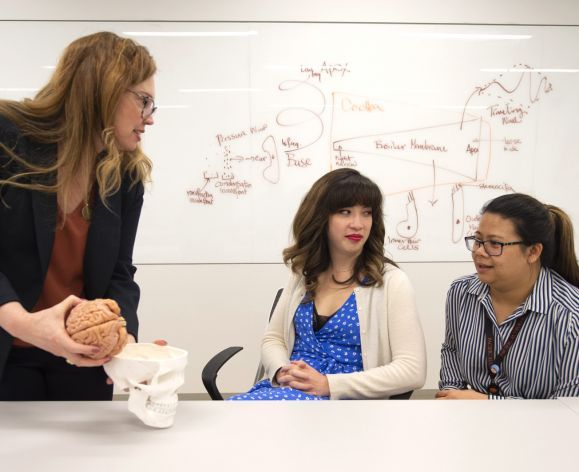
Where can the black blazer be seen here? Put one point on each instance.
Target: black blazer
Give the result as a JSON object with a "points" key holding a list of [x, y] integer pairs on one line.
{"points": [[27, 225]]}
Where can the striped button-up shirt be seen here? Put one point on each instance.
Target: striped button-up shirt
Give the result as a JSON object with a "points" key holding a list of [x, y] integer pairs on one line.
{"points": [[543, 362]]}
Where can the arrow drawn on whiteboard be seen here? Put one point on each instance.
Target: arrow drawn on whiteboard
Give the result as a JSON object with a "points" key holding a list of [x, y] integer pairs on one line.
{"points": [[208, 178], [434, 200]]}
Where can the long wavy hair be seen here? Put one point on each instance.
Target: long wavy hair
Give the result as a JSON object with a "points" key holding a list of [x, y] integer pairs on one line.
{"points": [[535, 223], [77, 107], [309, 255]]}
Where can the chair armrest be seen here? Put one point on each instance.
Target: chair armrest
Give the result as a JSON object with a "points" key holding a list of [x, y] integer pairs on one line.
{"points": [[209, 373]]}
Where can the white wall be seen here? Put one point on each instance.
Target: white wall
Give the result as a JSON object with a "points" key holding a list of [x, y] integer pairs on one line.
{"points": [[204, 308], [561, 12]]}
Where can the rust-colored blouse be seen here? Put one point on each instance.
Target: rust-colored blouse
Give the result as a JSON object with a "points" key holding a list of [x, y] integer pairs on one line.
{"points": [[65, 270]]}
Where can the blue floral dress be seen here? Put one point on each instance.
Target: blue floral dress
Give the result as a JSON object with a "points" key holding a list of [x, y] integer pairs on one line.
{"points": [[333, 349]]}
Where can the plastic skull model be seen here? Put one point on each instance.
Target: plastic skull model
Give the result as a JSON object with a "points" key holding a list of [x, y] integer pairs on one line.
{"points": [[152, 374]]}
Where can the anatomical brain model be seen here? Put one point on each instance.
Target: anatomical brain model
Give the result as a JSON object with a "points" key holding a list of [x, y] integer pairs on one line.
{"points": [[98, 323]]}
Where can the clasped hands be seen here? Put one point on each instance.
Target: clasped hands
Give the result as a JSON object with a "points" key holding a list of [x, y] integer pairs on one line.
{"points": [[301, 376]]}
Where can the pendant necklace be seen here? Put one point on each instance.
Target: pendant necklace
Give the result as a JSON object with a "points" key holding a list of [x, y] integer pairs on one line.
{"points": [[86, 211]]}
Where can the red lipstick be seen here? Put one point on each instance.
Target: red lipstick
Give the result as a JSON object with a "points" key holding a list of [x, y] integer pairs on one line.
{"points": [[354, 237]]}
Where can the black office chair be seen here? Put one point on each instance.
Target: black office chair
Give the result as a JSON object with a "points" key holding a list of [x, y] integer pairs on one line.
{"points": [[211, 369]]}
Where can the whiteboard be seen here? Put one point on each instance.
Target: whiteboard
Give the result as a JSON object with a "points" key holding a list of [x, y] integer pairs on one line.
{"points": [[442, 117]]}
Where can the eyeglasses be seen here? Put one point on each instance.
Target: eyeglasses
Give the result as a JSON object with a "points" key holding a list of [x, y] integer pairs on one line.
{"points": [[492, 248], [148, 104]]}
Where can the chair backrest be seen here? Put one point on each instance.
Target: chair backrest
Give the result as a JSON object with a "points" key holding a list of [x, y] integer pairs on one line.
{"points": [[212, 367], [260, 370]]}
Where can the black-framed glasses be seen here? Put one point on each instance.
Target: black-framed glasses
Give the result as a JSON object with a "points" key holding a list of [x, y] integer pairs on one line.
{"points": [[492, 247], [148, 104]]}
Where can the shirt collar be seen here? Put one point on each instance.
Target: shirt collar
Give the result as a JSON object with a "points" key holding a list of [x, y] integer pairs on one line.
{"points": [[477, 288], [540, 297], [538, 300]]}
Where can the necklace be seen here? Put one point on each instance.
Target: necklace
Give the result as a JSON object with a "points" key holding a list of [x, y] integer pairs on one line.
{"points": [[86, 211]]}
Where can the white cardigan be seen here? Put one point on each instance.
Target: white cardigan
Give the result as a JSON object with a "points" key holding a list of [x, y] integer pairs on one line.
{"points": [[393, 350]]}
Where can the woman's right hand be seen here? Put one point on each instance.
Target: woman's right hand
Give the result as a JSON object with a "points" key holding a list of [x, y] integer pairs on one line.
{"points": [[301, 376], [46, 330], [280, 373]]}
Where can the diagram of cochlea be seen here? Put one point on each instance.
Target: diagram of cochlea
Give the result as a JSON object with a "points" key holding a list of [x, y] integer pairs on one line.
{"points": [[431, 162], [428, 157]]}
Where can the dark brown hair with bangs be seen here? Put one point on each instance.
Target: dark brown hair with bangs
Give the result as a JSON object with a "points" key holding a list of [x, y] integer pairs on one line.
{"points": [[310, 254]]}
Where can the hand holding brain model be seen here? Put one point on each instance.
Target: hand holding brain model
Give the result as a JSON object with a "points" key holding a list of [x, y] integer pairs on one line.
{"points": [[98, 323]]}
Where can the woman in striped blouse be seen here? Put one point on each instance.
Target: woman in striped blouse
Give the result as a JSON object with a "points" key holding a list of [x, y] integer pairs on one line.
{"points": [[512, 329]]}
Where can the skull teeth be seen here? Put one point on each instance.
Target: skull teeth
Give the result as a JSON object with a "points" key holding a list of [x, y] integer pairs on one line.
{"points": [[161, 408]]}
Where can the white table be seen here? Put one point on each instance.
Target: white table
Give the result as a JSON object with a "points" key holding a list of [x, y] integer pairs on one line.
{"points": [[571, 402], [355, 436]]}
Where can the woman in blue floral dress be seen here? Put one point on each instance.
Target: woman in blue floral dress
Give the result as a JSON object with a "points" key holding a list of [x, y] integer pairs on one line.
{"points": [[346, 325]]}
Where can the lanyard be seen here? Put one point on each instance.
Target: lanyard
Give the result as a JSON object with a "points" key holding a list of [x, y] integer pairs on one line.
{"points": [[494, 363]]}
